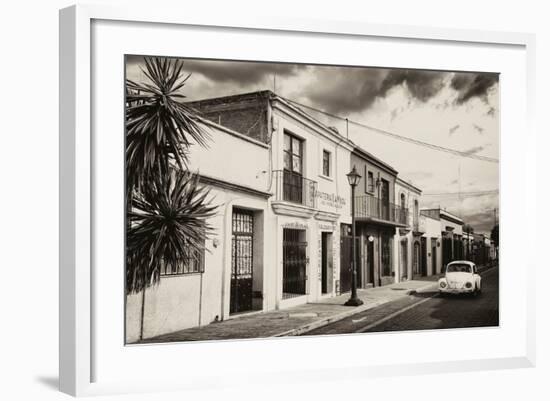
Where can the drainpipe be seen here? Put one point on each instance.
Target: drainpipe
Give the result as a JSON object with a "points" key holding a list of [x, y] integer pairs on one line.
{"points": [[271, 130]]}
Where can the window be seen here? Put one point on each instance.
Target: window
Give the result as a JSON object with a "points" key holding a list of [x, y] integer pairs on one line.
{"points": [[292, 154], [370, 182], [194, 263], [326, 163], [459, 268]]}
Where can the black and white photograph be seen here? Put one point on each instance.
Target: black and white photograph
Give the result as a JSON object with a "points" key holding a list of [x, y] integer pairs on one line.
{"points": [[267, 199]]}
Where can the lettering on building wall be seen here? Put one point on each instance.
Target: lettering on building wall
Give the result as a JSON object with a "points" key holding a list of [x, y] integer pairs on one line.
{"points": [[323, 226], [296, 225], [330, 200]]}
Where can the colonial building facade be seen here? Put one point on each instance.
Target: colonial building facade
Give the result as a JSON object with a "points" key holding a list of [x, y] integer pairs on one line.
{"points": [[278, 177], [411, 246], [377, 218]]}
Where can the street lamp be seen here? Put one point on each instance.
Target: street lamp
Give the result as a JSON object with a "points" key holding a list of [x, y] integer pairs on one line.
{"points": [[353, 179]]}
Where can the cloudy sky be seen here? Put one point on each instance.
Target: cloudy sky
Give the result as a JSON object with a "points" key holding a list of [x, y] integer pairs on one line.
{"points": [[456, 110]]}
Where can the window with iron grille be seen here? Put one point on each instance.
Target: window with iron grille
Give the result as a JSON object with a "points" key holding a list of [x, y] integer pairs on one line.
{"points": [[194, 263], [326, 163]]}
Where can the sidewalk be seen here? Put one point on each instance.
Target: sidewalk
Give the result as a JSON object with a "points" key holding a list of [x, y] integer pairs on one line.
{"points": [[299, 319]]}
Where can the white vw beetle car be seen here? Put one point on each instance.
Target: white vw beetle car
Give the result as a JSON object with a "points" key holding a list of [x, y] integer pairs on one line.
{"points": [[461, 276]]}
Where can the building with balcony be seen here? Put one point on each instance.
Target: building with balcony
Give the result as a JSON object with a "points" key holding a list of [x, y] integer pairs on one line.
{"points": [[411, 247], [377, 218], [307, 163]]}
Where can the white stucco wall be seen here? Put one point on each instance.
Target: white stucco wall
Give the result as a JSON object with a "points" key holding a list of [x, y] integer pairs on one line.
{"points": [[233, 158], [184, 301], [432, 229]]}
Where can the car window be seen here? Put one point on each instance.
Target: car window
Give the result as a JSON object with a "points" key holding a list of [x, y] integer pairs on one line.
{"points": [[459, 268]]}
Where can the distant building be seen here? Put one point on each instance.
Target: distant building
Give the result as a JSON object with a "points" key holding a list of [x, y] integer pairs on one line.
{"points": [[451, 235], [411, 246]]}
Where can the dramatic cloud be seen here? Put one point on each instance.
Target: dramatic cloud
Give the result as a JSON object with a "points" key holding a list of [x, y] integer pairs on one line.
{"points": [[244, 73], [236, 72], [473, 85], [356, 89], [338, 90], [421, 85], [344, 91], [480, 221]]}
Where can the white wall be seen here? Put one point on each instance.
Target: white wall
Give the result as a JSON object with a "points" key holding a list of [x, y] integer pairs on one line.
{"points": [[223, 159], [432, 229]]}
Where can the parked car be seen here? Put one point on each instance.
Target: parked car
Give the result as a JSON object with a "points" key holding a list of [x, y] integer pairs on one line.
{"points": [[461, 277]]}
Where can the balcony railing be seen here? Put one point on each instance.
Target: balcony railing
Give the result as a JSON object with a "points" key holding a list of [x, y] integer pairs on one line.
{"points": [[295, 188], [368, 206]]}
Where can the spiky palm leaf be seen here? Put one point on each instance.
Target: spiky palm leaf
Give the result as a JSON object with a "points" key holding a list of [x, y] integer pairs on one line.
{"points": [[159, 126], [167, 225]]}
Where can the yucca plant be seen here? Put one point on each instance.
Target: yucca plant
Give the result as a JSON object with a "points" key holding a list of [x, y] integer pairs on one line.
{"points": [[167, 225], [159, 126], [167, 209]]}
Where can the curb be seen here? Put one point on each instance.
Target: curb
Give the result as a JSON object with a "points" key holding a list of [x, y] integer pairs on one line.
{"points": [[422, 289], [340, 316], [327, 320]]}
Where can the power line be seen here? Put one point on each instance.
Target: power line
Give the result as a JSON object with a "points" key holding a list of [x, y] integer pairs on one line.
{"points": [[461, 194], [400, 137]]}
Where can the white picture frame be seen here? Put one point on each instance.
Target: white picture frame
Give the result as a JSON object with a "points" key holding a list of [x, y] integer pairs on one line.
{"points": [[78, 348]]}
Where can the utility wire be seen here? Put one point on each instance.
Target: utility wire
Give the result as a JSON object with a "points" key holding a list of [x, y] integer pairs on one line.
{"points": [[473, 193], [399, 137]]}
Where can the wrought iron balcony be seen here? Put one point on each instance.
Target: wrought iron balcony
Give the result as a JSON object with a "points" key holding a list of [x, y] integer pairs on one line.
{"points": [[368, 206], [295, 188]]}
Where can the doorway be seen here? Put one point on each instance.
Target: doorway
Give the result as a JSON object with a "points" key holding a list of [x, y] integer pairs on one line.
{"points": [[423, 262], [370, 261], [404, 260], [326, 263], [242, 241], [294, 263], [416, 259]]}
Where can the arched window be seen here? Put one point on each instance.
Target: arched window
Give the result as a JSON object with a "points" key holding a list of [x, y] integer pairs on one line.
{"points": [[403, 200]]}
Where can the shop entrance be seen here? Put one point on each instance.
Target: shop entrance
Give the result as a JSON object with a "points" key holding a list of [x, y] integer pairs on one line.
{"points": [[242, 241], [370, 261], [424, 251], [295, 262], [326, 263]]}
